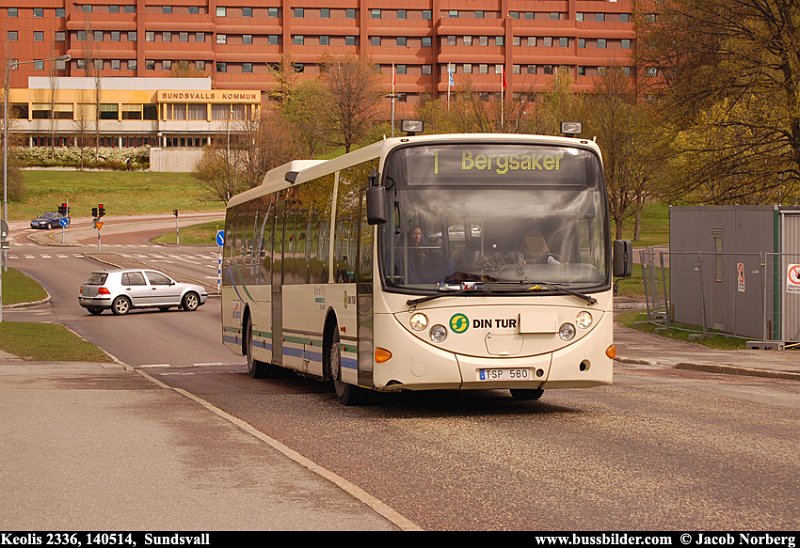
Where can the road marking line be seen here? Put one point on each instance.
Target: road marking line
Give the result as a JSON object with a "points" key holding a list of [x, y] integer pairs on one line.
{"points": [[156, 365], [209, 363]]}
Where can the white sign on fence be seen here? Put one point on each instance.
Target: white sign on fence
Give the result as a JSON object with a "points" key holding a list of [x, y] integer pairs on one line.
{"points": [[740, 277], [793, 278]]}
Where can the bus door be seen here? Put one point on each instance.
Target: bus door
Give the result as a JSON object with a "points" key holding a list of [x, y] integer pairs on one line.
{"points": [[279, 249]]}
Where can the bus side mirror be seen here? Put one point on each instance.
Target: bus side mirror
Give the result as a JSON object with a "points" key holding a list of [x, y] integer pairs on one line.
{"points": [[376, 205], [623, 258]]}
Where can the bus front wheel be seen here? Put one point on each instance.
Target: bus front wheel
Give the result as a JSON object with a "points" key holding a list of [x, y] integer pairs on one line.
{"points": [[347, 394], [526, 393]]}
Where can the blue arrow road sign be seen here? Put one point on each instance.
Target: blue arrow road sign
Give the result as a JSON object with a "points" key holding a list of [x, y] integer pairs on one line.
{"points": [[64, 222], [221, 238]]}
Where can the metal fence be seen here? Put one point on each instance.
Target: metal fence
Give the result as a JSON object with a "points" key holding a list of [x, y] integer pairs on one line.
{"points": [[755, 296]]}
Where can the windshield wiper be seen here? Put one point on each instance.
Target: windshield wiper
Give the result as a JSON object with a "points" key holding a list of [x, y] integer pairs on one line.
{"points": [[444, 292], [536, 285]]}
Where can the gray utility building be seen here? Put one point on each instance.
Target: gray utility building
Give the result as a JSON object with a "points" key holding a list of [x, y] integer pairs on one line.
{"points": [[736, 269]]}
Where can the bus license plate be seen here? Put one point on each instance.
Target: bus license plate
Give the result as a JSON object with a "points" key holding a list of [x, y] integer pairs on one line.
{"points": [[505, 375]]}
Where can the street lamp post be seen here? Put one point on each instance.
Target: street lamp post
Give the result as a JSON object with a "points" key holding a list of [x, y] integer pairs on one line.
{"points": [[10, 65]]}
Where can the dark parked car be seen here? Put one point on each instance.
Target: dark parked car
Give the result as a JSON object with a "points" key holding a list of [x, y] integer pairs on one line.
{"points": [[123, 289], [47, 220]]}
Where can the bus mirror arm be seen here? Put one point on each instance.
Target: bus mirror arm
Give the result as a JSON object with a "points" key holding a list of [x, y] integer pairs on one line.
{"points": [[376, 205], [623, 258]]}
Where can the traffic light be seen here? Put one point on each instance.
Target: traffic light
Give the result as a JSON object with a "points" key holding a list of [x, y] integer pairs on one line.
{"points": [[100, 210], [94, 212], [175, 212], [63, 208]]}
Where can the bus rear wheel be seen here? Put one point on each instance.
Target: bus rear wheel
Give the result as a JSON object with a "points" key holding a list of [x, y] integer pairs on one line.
{"points": [[256, 369], [526, 393], [347, 394]]}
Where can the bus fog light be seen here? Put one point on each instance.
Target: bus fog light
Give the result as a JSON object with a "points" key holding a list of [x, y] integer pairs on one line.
{"points": [[419, 322], [566, 331], [583, 319], [438, 333]]}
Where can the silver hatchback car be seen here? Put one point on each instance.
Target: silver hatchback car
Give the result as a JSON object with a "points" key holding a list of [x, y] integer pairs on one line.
{"points": [[124, 288]]}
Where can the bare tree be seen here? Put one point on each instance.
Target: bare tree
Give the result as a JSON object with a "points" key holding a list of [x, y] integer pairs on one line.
{"points": [[301, 107], [354, 97], [729, 75]]}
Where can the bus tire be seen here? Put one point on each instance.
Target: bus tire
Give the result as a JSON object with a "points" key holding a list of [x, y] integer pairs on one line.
{"points": [[526, 393], [347, 394], [255, 368]]}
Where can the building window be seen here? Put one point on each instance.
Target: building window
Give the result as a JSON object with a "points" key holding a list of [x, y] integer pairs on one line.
{"points": [[467, 40], [401, 69], [467, 68], [581, 71], [299, 67], [350, 13], [222, 67], [166, 9], [81, 36], [651, 71], [299, 13], [61, 36], [200, 65], [298, 39], [555, 16], [98, 64], [130, 8], [600, 17], [38, 65], [200, 37], [402, 41], [97, 36], [80, 64], [451, 40], [183, 36], [626, 43], [12, 36], [452, 14], [273, 39], [326, 40], [222, 11], [115, 64], [116, 36], [427, 42], [38, 36], [86, 8], [601, 43], [247, 39], [375, 14], [61, 12], [38, 12], [513, 15], [624, 17], [194, 10], [402, 14], [273, 13], [499, 40], [247, 12], [547, 69], [149, 36], [247, 67], [375, 41], [132, 37], [132, 64], [13, 12], [579, 16], [221, 38], [427, 15], [531, 41], [350, 41], [427, 69], [531, 69], [166, 64], [166, 36], [581, 43], [480, 14], [563, 42], [325, 13], [483, 68], [149, 64]]}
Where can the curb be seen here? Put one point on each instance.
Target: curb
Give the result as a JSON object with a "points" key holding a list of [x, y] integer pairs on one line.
{"points": [[30, 303], [711, 368]]}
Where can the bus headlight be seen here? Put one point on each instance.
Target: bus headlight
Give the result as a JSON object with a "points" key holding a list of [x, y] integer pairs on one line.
{"points": [[583, 319], [419, 321], [566, 331], [438, 333]]}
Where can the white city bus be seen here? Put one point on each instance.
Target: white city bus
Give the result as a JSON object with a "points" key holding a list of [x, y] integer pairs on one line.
{"points": [[472, 261]]}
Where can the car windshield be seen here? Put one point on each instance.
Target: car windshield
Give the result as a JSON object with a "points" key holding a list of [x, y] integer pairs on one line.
{"points": [[543, 227], [96, 278]]}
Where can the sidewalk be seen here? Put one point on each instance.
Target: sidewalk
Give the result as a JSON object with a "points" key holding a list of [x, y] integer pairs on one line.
{"points": [[93, 447]]}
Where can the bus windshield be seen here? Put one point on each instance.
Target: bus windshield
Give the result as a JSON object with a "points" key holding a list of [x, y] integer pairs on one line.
{"points": [[501, 215]]}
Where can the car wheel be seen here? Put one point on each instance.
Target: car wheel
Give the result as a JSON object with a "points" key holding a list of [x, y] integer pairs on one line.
{"points": [[190, 301], [120, 306], [255, 368], [94, 311], [347, 394], [49, 226], [526, 393]]}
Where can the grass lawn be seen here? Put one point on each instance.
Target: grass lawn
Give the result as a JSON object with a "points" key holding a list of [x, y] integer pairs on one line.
{"points": [[47, 341], [198, 234], [121, 192], [19, 288], [655, 226]]}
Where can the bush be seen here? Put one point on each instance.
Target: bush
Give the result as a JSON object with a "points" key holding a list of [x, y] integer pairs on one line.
{"points": [[107, 158]]}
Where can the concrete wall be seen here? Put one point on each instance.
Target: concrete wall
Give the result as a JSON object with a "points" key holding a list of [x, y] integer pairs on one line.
{"points": [[174, 160]]}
